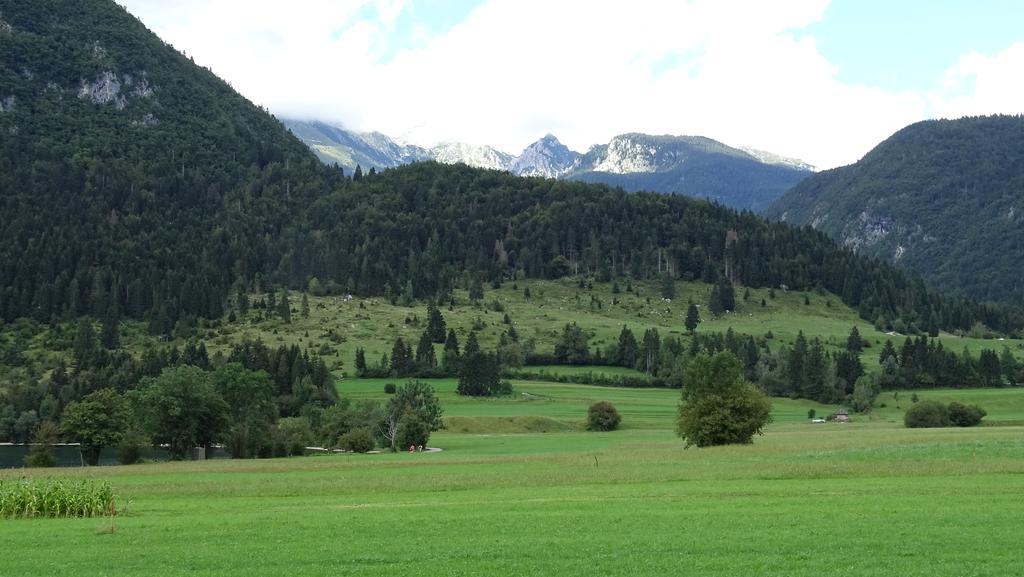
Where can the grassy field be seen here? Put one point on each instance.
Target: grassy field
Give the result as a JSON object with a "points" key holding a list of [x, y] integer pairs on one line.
{"points": [[560, 406], [858, 500], [866, 498]]}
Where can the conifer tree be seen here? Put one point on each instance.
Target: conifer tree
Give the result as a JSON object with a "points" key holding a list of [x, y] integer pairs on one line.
{"points": [[435, 324], [360, 362], [625, 352], [692, 318], [425, 356], [450, 357]]}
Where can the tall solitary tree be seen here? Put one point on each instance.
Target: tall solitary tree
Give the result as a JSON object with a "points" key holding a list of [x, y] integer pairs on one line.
{"points": [[435, 324], [692, 318]]}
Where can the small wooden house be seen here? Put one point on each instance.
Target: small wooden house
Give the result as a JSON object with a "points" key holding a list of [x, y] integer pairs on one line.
{"points": [[842, 416]]}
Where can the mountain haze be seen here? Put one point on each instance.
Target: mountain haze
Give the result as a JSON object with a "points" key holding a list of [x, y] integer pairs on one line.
{"points": [[944, 198]]}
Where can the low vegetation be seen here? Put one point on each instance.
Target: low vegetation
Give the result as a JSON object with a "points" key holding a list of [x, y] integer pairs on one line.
{"points": [[930, 413], [29, 498], [602, 416]]}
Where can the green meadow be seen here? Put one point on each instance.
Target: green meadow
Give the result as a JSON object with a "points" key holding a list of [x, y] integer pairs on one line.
{"points": [[864, 498]]}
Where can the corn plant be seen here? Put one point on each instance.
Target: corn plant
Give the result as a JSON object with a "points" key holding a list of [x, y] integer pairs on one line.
{"points": [[31, 498]]}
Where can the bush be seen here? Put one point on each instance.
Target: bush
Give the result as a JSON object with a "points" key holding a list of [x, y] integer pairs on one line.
{"points": [[602, 416], [411, 431], [962, 415], [926, 414], [390, 388], [358, 440]]}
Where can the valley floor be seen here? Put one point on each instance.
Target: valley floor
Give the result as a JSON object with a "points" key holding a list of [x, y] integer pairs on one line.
{"points": [[866, 498]]}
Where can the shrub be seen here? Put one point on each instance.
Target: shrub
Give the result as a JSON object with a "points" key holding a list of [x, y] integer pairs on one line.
{"points": [[602, 416], [963, 415], [390, 388], [358, 440], [29, 498], [411, 431], [926, 414]]}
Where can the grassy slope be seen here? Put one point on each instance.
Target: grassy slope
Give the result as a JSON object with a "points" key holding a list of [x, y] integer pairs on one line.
{"points": [[374, 324]]}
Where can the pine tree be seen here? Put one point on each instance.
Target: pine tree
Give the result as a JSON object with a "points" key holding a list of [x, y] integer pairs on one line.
{"points": [[854, 343], [692, 318], [727, 295], [450, 357], [888, 352], [816, 373], [472, 345], [305, 306], [284, 308], [360, 362], [401, 359], [435, 324], [625, 352], [796, 370], [425, 356]]}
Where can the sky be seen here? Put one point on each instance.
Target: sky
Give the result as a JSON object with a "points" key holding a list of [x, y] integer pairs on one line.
{"points": [[810, 79]]}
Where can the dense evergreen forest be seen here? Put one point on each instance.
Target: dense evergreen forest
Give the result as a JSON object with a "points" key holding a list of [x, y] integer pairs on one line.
{"points": [[136, 184], [942, 198]]}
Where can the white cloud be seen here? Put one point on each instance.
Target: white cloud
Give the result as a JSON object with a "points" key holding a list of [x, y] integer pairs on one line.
{"points": [[738, 71], [980, 84]]}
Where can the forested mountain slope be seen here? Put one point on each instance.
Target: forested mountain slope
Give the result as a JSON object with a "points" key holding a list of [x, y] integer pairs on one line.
{"points": [[134, 183], [943, 198], [131, 180]]}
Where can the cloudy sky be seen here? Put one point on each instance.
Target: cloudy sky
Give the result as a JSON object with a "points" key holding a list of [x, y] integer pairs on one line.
{"points": [[812, 79]]}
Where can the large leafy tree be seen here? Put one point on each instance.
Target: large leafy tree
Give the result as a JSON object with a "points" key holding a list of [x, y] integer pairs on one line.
{"points": [[414, 400], [182, 408], [718, 406], [249, 396], [99, 420]]}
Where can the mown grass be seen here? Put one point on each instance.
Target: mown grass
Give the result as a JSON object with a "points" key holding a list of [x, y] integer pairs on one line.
{"points": [[861, 499], [865, 498]]}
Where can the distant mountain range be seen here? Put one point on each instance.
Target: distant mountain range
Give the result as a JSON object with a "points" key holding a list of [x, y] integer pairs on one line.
{"points": [[690, 165], [944, 198]]}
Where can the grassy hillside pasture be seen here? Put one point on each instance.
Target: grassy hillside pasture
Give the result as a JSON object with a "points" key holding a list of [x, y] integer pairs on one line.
{"points": [[374, 323]]}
